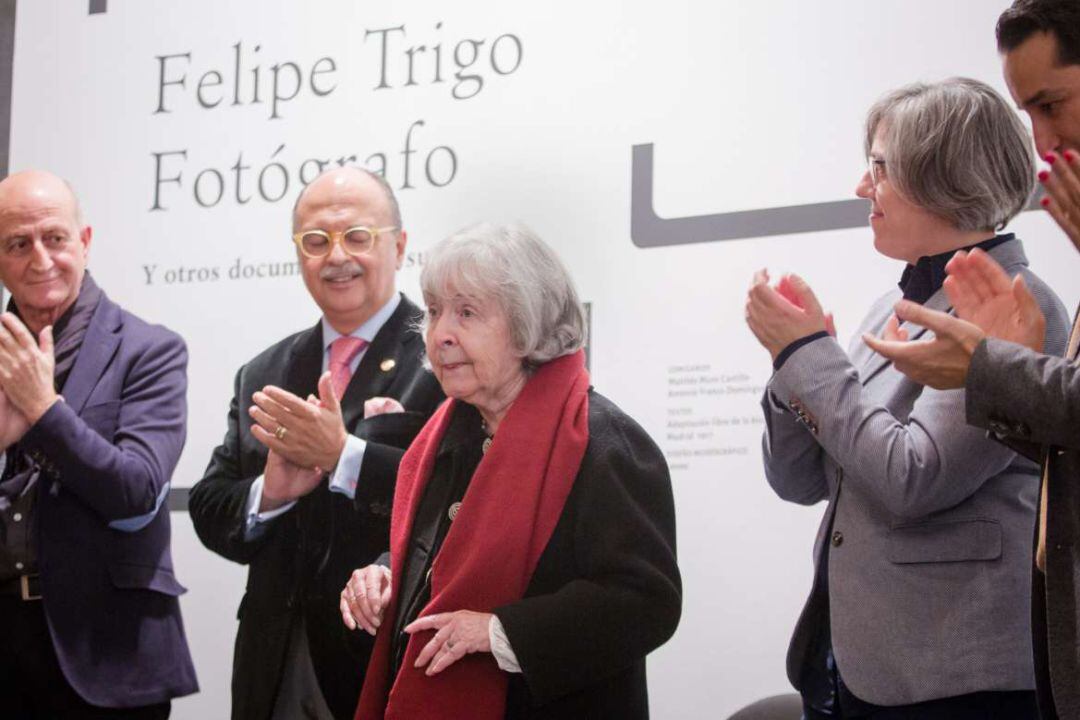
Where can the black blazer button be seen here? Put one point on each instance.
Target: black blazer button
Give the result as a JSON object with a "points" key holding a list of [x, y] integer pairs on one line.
{"points": [[837, 538]]}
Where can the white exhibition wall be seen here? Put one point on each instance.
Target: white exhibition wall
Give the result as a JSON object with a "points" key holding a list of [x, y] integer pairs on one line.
{"points": [[188, 128]]}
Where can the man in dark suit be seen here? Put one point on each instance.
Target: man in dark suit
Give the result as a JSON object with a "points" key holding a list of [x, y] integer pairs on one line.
{"points": [[92, 421], [994, 349], [302, 486]]}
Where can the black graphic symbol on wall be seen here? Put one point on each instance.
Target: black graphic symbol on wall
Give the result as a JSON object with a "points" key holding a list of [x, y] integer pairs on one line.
{"points": [[98, 6], [647, 229]]}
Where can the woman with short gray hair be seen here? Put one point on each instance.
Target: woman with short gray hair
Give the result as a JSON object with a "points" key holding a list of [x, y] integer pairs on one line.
{"points": [[512, 265], [532, 551], [955, 149], [920, 603]]}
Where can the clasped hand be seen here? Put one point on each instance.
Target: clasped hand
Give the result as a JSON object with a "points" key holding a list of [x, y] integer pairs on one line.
{"points": [[305, 439], [457, 634], [778, 316], [309, 433], [26, 377]]}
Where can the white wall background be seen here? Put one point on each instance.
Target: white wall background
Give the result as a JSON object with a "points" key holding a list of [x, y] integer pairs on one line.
{"points": [[750, 105]]}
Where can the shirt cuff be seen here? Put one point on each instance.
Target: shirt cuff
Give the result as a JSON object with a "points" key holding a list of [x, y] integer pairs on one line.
{"points": [[137, 523], [256, 521], [500, 647], [347, 472], [790, 349]]}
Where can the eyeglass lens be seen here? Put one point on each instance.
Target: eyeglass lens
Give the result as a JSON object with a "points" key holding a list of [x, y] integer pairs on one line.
{"points": [[355, 241]]}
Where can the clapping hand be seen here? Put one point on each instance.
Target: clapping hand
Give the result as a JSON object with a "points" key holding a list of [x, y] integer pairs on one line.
{"points": [[26, 368], [1062, 183], [309, 433], [778, 316], [1002, 307]]}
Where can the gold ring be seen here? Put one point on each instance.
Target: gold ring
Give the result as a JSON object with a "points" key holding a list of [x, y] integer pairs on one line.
{"points": [[280, 432]]}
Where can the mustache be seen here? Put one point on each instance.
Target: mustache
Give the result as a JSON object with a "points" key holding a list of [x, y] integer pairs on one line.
{"points": [[348, 270]]}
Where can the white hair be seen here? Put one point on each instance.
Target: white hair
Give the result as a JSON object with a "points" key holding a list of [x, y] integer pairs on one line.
{"points": [[512, 266]]}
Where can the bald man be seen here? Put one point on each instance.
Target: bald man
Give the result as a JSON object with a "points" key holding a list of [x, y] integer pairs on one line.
{"points": [[92, 421], [302, 486]]}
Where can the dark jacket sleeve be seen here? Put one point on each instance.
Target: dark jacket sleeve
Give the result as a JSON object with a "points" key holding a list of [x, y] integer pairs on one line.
{"points": [[1023, 395], [626, 598], [387, 437], [218, 502], [122, 478]]}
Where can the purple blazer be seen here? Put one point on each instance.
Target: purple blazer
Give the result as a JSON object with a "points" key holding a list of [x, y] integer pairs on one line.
{"points": [[108, 452]]}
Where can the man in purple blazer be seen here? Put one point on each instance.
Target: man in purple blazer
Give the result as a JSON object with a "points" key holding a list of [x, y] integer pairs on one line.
{"points": [[92, 421]]}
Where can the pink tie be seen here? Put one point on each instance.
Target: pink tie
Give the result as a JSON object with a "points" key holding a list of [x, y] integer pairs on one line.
{"points": [[342, 352]]}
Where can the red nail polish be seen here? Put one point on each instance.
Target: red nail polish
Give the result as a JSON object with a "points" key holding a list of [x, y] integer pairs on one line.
{"points": [[1050, 158], [1044, 175], [1070, 156], [1045, 202]]}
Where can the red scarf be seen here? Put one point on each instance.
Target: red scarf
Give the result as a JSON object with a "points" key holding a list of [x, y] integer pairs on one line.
{"points": [[509, 511]]}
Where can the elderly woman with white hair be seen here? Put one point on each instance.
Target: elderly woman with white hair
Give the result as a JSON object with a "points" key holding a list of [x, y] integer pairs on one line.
{"points": [[920, 604], [533, 532]]}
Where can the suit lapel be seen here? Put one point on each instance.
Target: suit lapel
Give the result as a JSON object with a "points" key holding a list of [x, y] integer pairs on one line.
{"points": [[305, 364], [876, 363], [1010, 255], [98, 347], [381, 362]]}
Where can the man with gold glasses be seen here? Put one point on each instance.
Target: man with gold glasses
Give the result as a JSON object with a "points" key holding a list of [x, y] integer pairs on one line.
{"points": [[355, 241], [302, 486]]}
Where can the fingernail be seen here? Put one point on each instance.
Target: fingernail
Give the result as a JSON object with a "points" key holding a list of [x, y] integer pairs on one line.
{"points": [[1070, 155], [1050, 158], [1044, 175], [1045, 202]]}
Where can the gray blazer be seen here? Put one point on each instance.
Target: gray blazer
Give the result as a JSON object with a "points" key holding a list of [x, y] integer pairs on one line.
{"points": [[929, 522], [1025, 397]]}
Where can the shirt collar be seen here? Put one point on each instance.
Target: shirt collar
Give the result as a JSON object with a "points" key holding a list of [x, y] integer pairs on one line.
{"points": [[921, 280], [368, 330]]}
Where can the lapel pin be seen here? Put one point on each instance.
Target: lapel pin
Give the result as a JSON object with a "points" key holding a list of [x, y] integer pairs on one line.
{"points": [[387, 365]]}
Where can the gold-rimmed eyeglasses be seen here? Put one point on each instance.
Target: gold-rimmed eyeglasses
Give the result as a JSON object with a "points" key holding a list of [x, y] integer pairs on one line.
{"points": [[354, 241]]}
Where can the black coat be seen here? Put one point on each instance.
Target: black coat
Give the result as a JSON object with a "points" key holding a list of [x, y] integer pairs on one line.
{"points": [[607, 589], [303, 560]]}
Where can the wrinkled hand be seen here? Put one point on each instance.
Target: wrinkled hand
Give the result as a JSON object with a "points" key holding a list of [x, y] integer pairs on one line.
{"points": [[365, 598], [13, 424], [26, 368], [459, 633], [1062, 183], [983, 294], [381, 406], [941, 362], [284, 482], [779, 316], [314, 432]]}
